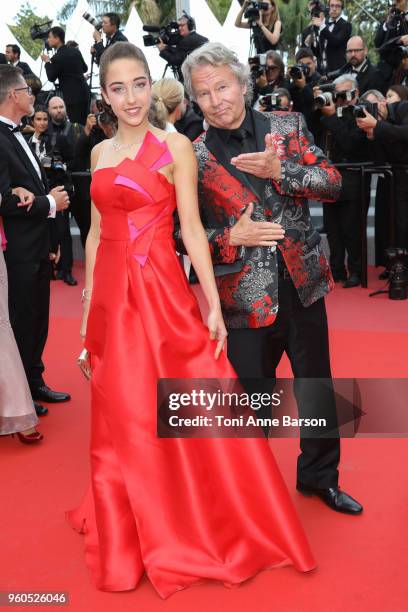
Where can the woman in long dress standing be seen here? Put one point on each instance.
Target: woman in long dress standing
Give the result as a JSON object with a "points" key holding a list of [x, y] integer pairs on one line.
{"points": [[178, 510], [17, 413]]}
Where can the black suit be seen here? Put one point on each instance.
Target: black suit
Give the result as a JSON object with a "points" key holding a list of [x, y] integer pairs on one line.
{"points": [[334, 44], [27, 253], [175, 56], [343, 218], [368, 77], [68, 66], [100, 48], [24, 67], [391, 141]]}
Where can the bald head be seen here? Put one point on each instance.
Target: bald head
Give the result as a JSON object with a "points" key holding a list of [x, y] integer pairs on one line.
{"points": [[57, 109], [356, 51]]}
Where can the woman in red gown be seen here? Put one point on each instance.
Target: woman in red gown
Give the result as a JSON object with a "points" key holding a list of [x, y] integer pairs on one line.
{"points": [[179, 510]]}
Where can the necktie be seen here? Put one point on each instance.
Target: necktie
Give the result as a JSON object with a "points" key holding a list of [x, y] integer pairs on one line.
{"points": [[243, 137], [18, 128]]}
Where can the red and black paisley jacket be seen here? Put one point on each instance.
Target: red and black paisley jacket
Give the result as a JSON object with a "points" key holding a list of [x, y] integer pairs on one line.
{"points": [[248, 280]]}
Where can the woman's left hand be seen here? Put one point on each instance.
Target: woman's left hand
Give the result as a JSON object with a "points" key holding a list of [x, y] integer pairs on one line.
{"points": [[218, 331], [26, 197]]}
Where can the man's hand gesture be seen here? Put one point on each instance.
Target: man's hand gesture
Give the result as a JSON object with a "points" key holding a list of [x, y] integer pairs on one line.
{"points": [[263, 164], [255, 233]]}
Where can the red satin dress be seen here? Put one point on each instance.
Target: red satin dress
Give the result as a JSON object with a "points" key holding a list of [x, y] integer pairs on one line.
{"points": [[178, 510]]}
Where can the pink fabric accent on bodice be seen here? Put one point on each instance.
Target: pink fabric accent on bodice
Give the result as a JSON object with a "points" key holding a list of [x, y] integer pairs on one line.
{"points": [[143, 200]]}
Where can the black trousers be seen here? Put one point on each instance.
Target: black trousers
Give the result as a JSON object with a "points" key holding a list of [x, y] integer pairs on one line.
{"points": [[382, 220], [29, 304], [401, 208], [303, 334], [342, 222], [80, 206], [65, 240], [77, 113]]}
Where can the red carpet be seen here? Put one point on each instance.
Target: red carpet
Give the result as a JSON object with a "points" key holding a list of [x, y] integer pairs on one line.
{"points": [[362, 560]]}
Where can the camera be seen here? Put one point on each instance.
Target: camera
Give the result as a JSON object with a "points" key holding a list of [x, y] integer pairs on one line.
{"points": [[370, 107], [56, 172], [253, 12], [169, 34], [346, 96], [326, 97], [298, 71], [257, 64], [397, 264], [272, 102], [94, 22], [40, 31], [317, 9]]}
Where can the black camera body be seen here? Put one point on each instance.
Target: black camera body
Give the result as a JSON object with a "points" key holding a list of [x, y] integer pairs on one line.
{"points": [[40, 31], [370, 107], [272, 102], [326, 97], [169, 34], [56, 172], [397, 264], [298, 71], [253, 12], [257, 64]]}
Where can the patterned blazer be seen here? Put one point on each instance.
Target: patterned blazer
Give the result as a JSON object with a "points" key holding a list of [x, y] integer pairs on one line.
{"points": [[247, 277]]}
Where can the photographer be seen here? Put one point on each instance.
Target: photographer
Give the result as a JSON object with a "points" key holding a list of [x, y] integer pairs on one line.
{"points": [[268, 74], [263, 18], [394, 60], [279, 100], [389, 132], [400, 74], [68, 66], [348, 143], [304, 77], [368, 76], [61, 130], [13, 53], [99, 126], [395, 25], [110, 27], [328, 37], [189, 40]]}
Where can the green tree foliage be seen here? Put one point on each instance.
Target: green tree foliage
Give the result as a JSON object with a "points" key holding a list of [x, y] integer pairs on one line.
{"points": [[366, 16], [295, 17], [122, 7], [220, 8], [24, 19]]}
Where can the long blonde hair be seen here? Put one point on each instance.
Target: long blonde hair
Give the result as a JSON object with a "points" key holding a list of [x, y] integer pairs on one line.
{"points": [[274, 16], [167, 94]]}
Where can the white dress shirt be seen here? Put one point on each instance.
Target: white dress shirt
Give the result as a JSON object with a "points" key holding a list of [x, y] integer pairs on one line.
{"points": [[24, 144]]}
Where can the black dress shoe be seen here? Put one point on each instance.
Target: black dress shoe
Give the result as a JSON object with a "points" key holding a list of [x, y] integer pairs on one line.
{"points": [[40, 410], [69, 279], [353, 281], [45, 394], [334, 498]]}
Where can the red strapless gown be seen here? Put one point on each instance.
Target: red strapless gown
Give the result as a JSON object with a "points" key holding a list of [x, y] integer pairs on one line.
{"points": [[179, 510]]}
